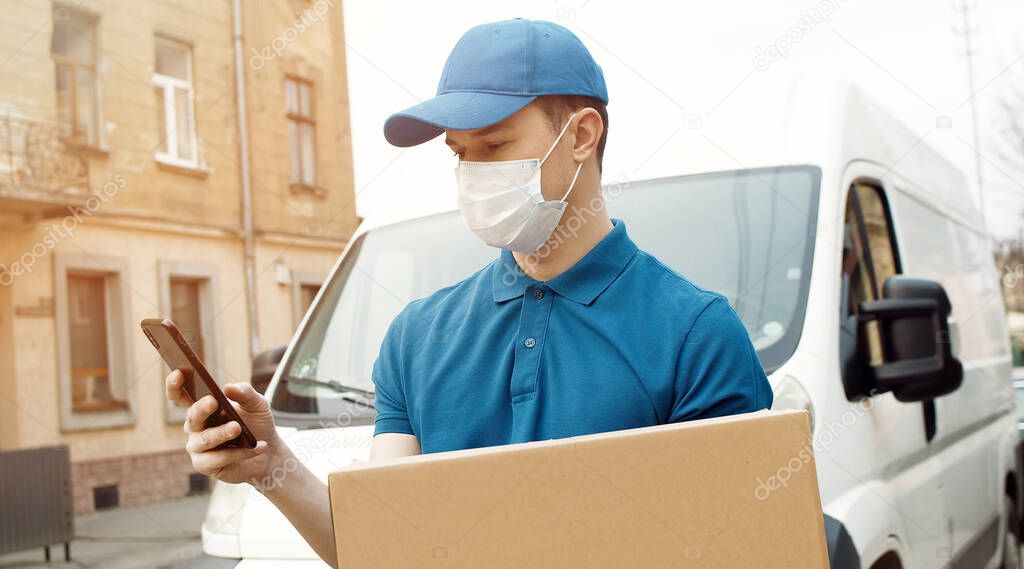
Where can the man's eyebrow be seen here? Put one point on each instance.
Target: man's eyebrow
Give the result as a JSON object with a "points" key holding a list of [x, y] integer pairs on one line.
{"points": [[496, 127]]}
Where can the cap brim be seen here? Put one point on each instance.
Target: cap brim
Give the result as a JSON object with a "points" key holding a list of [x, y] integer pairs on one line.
{"points": [[458, 110]]}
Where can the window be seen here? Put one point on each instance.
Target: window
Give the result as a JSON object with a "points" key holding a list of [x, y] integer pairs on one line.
{"points": [[187, 292], [172, 87], [185, 312], [90, 357], [301, 131], [876, 223], [869, 255], [305, 285], [94, 359], [764, 220], [306, 295], [73, 48]]}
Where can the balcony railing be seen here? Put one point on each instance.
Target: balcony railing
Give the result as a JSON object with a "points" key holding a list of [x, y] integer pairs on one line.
{"points": [[36, 164]]}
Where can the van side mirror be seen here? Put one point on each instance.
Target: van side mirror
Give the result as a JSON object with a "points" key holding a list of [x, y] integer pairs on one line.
{"points": [[263, 367], [912, 318]]}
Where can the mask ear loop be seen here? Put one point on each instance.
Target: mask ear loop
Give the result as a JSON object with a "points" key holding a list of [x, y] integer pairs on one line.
{"points": [[558, 138], [572, 184]]}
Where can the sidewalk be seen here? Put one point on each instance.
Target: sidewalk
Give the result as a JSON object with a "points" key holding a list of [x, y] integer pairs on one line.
{"points": [[147, 537]]}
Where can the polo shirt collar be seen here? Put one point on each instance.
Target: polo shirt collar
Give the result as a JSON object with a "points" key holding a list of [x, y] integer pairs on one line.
{"points": [[583, 282]]}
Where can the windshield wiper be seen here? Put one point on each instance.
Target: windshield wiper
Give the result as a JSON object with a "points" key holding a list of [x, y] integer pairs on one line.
{"points": [[337, 386]]}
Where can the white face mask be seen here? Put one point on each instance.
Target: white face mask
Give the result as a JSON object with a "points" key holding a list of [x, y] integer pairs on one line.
{"points": [[502, 203]]}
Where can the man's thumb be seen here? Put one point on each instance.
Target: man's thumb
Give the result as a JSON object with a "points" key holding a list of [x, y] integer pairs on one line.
{"points": [[247, 398]]}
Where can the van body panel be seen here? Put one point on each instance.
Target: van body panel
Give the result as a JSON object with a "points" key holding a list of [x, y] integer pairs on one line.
{"points": [[971, 421]]}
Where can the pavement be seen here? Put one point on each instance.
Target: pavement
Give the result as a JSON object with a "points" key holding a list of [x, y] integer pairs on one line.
{"points": [[146, 537]]}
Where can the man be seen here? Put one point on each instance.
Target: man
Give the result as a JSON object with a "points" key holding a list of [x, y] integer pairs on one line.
{"points": [[572, 330]]}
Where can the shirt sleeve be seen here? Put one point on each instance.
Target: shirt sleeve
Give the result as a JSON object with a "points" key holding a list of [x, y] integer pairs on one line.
{"points": [[718, 372], [390, 401]]}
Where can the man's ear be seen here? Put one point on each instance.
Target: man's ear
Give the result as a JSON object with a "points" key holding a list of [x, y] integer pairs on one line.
{"points": [[589, 128]]}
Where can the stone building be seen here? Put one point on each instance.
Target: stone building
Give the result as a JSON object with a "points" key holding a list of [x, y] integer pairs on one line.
{"points": [[154, 162]]}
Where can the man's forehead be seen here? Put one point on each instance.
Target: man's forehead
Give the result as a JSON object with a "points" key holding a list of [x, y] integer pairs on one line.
{"points": [[525, 116], [496, 127], [477, 133]]}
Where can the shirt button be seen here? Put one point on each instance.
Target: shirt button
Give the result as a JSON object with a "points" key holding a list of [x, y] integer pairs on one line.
{"points": [[538, 294], [529, 342]]}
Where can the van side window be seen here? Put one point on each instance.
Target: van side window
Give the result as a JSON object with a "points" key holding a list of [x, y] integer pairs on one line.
{"points": [[869, 254], [876, 221]]}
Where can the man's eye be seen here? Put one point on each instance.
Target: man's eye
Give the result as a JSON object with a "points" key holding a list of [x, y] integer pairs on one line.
{"points": [[495, 145]]}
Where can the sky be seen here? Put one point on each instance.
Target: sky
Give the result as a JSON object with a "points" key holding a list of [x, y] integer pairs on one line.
{"points": [[910, 55]]}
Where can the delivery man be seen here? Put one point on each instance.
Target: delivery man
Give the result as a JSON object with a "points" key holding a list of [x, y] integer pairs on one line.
{"points": [[571, 330]]}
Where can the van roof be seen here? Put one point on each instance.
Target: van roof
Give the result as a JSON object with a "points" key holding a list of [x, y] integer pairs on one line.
{"points": [[823, 122]]}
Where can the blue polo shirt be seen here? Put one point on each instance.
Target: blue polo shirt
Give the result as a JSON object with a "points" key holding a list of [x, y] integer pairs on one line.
{"points": [[617, 341]]}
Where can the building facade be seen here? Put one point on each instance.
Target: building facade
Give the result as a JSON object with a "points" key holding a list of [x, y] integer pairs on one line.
{"points": [[140, 178]]}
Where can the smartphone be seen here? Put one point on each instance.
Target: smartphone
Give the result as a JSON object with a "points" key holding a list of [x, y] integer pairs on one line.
{"points": [[176, 352]]}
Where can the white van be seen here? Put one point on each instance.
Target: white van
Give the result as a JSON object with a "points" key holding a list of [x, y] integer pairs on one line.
{"points": [[854, 254]]}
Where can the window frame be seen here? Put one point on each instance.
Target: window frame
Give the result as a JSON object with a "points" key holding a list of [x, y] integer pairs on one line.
{"points": [[91, 139], [854, 197], [206, 276], [115, 272], [168, 153], [300, 119], [875, 343]]}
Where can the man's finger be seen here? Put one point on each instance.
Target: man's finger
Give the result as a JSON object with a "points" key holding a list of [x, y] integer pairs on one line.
{"points": [[175, 387], [212, 461], [212, 437], [198, 413]]}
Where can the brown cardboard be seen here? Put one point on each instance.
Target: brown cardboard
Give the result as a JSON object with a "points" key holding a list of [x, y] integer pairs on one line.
{"points": [[731, 492]]}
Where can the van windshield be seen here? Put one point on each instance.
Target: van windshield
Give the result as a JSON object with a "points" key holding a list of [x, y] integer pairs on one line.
{"points": [[747, 234]]}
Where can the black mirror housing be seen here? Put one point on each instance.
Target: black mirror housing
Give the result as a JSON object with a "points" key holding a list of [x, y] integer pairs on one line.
{"points": [[917, 349]]}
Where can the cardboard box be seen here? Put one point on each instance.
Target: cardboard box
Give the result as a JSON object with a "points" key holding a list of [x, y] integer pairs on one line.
{"points": [[731, 492]]}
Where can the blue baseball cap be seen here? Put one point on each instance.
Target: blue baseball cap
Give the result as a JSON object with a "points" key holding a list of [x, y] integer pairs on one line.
{"points": [[494, 70]]}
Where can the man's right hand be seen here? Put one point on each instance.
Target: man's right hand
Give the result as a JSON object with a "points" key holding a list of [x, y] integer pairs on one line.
{"points": [[232, 465]]}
